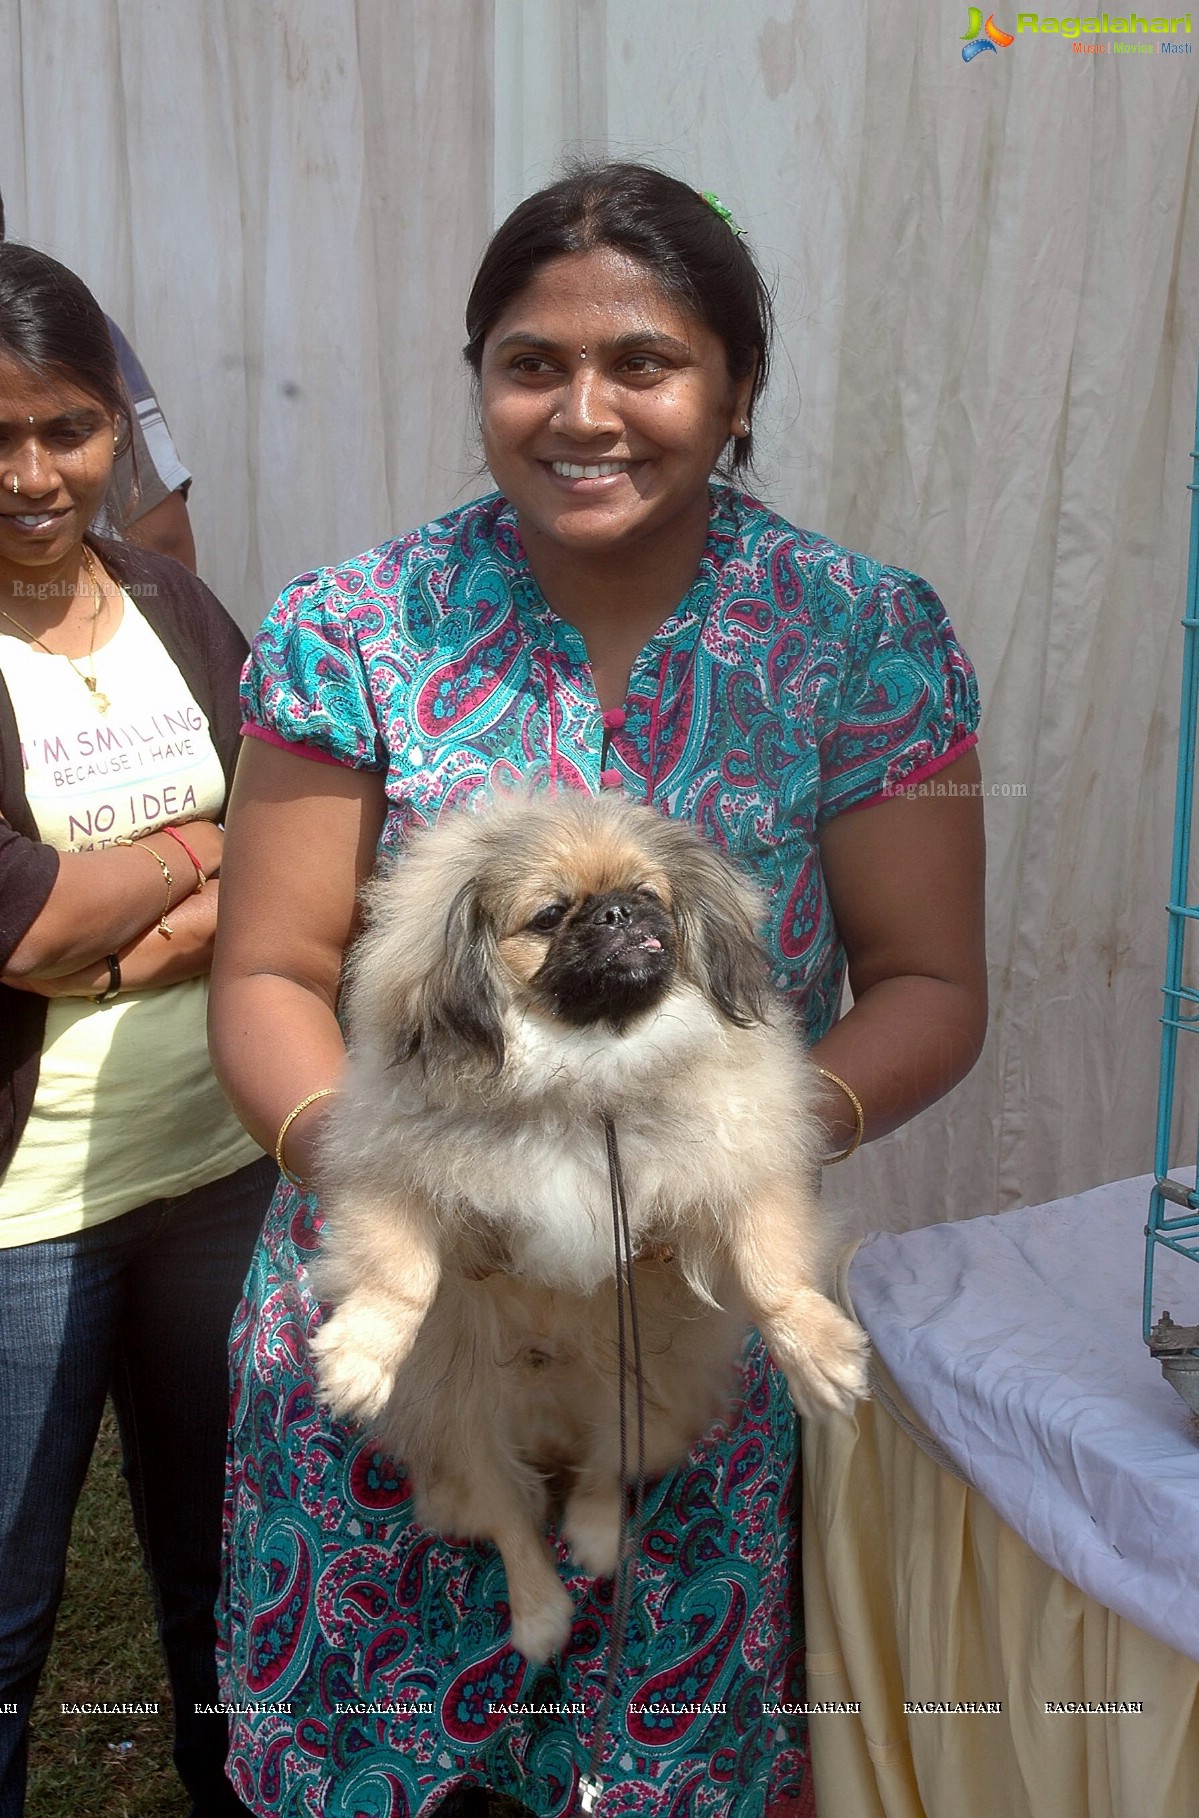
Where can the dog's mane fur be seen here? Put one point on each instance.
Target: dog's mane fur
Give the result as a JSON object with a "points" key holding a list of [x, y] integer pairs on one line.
{"points": [[468, 1249]]}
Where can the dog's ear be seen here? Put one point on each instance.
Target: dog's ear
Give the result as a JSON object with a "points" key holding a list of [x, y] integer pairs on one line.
{"points": [[459, 1017], [716, 920]]}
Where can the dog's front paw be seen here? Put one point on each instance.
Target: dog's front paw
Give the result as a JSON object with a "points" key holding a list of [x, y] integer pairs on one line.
{"points": [[541, 1627], [591, 1529], [358, 1351], [821, 1352]]}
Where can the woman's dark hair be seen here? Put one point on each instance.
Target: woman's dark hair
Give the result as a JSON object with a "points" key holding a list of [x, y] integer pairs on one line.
{"points": [[51, 323], [691, 252]]}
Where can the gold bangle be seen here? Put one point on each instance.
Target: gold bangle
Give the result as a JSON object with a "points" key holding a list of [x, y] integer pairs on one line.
{"points": [[285, 1126], [164, 927], [859, 1117]]}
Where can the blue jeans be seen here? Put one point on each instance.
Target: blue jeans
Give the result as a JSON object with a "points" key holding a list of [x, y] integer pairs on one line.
{"points": [[139, 1308]]}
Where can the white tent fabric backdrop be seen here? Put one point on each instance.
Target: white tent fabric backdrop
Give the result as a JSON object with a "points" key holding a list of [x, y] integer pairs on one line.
{"points": [[988, 301]]}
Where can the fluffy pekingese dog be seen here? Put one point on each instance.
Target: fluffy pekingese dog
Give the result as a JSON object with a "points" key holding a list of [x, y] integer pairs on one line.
{"points": [[529, 970]]}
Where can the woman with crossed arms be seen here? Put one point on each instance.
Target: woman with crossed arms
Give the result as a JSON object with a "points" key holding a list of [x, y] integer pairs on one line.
{"points": [[129, 1194]]}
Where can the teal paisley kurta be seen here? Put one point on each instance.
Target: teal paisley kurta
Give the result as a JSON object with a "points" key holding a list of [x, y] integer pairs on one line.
{"points": [[794, 682]]}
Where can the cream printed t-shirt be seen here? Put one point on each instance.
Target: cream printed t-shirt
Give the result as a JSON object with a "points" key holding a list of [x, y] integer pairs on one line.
{"points": [[127, 1109]]}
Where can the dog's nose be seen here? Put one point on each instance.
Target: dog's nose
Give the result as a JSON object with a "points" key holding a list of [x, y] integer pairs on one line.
{"points": [[612, 909]]}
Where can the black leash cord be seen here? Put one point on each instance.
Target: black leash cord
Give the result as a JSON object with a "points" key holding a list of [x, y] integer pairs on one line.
{"points": [[591, 1783]]}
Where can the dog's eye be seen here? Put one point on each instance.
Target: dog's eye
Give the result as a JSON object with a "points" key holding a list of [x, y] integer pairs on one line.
{"points": [[648, 891], [548, 918]]}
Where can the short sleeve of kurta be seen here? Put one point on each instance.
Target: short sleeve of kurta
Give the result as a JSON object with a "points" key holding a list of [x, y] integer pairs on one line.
{"points": [[305, 682], [908, 697]]}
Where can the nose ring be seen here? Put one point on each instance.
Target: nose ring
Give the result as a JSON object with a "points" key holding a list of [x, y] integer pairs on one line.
{"points": [[16, 485]]}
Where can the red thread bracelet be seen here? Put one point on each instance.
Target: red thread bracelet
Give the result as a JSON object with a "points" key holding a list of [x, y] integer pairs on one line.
{"points": [[180, 841]]}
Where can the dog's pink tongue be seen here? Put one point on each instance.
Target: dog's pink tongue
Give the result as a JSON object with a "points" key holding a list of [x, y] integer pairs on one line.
{"points": [[651, 944]]}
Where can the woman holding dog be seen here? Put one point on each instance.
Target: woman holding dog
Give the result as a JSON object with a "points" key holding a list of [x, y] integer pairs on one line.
{"points": [[129, 1194], [608, 619]]}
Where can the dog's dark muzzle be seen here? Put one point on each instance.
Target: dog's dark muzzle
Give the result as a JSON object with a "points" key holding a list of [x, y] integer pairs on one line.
{"points": [[614, 959]]}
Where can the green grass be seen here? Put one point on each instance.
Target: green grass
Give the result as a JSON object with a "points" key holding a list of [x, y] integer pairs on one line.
{"points": [[105, 1651]]}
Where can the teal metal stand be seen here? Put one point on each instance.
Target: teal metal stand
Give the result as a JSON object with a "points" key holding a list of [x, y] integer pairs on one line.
{"points": [[1174, 1208]]}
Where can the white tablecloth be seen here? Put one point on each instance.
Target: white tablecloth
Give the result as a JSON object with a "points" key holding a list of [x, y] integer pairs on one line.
{"points": [[1021, 1444], [1016, 1341]]}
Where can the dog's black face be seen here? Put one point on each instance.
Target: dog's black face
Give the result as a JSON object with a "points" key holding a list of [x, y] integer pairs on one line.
{"points": [[611, 958], [576, 909]]}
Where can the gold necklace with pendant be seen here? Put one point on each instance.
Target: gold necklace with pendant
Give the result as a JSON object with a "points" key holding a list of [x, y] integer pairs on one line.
{"points": [[100, 700]]}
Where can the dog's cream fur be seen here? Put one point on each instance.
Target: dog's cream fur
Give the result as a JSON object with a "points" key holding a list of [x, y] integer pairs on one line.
{"points": [[468, 1248]]}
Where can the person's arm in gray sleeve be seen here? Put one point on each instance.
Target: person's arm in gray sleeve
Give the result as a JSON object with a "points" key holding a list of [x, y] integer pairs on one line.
{"points": [[147, 500]]}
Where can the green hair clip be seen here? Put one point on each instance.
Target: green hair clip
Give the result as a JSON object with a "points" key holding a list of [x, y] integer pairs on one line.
{"points": [[726, 214]]}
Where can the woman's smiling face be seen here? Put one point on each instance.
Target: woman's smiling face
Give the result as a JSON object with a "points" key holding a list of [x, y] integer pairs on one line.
{"points": [[605, 407], [57, 442]]}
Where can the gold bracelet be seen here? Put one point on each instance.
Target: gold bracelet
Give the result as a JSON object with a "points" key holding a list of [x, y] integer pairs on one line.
{"points": [[859, 1117], [164, 927], [285, 1126]]}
